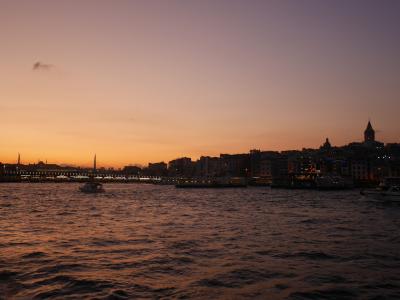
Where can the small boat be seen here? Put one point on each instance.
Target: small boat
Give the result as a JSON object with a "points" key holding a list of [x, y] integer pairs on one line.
{"points": [[390, 194], [92, 187]]}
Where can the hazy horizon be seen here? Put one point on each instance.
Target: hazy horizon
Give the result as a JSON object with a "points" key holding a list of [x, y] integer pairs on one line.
{"points": [[89, 163], [148, 81]]}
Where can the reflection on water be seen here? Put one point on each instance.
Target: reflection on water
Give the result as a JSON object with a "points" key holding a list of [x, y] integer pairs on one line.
{"points": [[146, 241]]}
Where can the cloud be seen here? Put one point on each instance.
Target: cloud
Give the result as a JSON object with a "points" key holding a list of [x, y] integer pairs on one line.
{"points": [[39, 66]]}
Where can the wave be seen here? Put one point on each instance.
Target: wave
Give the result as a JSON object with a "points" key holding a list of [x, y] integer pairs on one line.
{"points": [[7, 275], [62, 285], [35, 254], [328, 294], [138, 241], [313, 255], [241, 277]]}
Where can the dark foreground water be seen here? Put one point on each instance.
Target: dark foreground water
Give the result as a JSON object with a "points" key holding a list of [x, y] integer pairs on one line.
{"points": [[146, 241]]}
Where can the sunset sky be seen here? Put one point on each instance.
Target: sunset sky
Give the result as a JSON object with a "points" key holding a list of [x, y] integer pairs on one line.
{"points": [[145, 81]]}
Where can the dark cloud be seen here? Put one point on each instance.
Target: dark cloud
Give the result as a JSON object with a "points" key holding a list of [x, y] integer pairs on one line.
{"points": [[38, 66]]}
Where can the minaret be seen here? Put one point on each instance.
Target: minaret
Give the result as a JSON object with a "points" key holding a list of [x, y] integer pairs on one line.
{"points": [[94, 164], [18, 161], [369, 133]]}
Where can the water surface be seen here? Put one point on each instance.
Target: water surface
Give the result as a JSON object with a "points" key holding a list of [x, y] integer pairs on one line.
{"points": [[148, 241]]}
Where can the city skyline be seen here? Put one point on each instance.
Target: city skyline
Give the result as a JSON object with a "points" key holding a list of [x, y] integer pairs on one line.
{"points": [[369, 135], [145, 81]]}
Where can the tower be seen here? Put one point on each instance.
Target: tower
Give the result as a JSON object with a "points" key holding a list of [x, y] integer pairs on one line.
{"points": [[369, 133], [327, 144]]}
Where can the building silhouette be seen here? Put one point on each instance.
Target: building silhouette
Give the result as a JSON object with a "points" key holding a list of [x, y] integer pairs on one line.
{"points": [[369, 134], [365, 162]]}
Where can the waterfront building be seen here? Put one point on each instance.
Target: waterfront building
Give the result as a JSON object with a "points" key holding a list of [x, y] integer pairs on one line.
{"points": [[181, 167], [266, 169], [131, 170], [255, 163], [157, 169], [236, 165], [208, 166], [360, 170]]}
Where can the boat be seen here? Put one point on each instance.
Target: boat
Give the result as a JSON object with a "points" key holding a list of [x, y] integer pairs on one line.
{"points": [[390, 181], [212, 183], [380, 194], [92, 187]]}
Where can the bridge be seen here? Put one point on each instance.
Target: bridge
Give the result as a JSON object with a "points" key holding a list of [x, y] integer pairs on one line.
{"points": [[72, 175]]}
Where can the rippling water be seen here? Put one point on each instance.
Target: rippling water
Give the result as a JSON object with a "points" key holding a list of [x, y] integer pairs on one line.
{"points": [[147, 241]]}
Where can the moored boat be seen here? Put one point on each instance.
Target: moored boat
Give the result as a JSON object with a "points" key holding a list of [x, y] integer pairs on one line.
{"points": [[390, 194]]}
